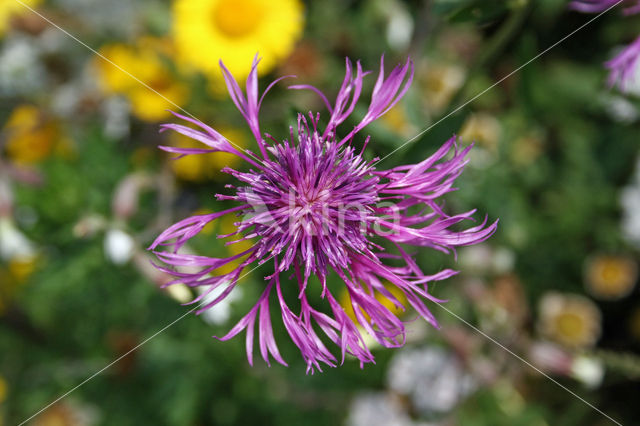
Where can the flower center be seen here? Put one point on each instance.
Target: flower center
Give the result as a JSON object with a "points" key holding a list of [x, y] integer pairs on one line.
{"points": [[570, 325], [236, 18]]}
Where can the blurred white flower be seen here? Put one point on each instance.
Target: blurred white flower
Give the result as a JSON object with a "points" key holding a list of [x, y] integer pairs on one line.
{"points": [[221, 312], [21, 71], [587, 370], [630, 201], [108, 17], [482, 259], [116, 111], [179, 292], [632, 85], [621, 109], [119, 246], [399, 26], [13, 243], [553, 359], [431, 377], [377, 409]]}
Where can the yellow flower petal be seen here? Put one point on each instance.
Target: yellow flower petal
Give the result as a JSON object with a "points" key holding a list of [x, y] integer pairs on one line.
{"points": [[10, 9], [157, 89], [206, 31], [4, 389], [30, 135]]}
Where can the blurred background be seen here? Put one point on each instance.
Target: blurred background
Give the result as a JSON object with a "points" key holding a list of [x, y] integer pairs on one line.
{"points": [[84, 189]]}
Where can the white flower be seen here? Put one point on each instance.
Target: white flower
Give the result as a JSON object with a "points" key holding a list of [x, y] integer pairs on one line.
{"points": [[221, 312], [620, 109], [630, 201], [13, 244], [587, 370], [119, 246], [377, 409], [21, 71], [431, 377], [399, 26]]}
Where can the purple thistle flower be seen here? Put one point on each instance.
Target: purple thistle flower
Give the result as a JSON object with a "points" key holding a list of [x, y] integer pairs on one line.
{"points": [[622, 68], [314, 204], [597, 6]]}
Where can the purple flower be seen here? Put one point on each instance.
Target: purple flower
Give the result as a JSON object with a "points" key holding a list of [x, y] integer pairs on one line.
{"points": [[622, 68], [597, 6], [314, 205]]}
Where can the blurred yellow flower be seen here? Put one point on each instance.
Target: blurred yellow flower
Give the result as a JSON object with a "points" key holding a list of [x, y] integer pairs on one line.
{"points": [[226, 226], [12, 277], [483, 129], [526, 149], [200, 167], [206, 31], [4, 389], [345, 302], [147, 61], [610, 277], [569, 319], [10, 9], [31, 135], [22, 267], [396, 119], [439, 83]]}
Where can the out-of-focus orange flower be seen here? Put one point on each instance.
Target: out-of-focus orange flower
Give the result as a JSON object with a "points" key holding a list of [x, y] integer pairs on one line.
{"points": [[610, 277]]}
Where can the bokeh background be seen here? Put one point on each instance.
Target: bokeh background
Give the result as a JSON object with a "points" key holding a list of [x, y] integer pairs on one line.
{"points": [[84, 189]]}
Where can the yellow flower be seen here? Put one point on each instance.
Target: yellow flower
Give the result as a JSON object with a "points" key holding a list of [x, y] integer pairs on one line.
{"points": [[13, 276], [527, 149], [396, 119], [483, 129], [4, 389], [610, 277], [31, 136], [200, 167], [569, 319], [345, 302], [206, 31], [439, 83], [147, 62], [10, 9]]}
